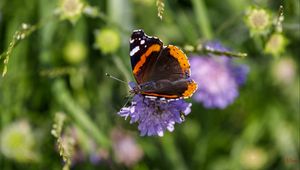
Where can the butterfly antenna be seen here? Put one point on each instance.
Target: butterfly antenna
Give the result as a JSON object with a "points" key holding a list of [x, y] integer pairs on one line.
{"points": [[115, 78]]}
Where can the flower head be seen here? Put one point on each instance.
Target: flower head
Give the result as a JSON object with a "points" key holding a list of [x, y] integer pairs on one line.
{"points": [[154, 116], [284, 71], [75, 52], [218, 78], [107, 40], [276, 44], [253, 158], [71, 9], [98, 155], [125, 148], [17, 142], [258, 20]]}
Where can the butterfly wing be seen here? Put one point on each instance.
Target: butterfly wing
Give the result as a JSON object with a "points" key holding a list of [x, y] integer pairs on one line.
{"points": [[144, 51], [169, 76], [160, 71]]}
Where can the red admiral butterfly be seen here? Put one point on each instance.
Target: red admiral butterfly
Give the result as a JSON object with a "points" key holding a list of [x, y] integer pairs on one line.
{"points": [[160, 71]]}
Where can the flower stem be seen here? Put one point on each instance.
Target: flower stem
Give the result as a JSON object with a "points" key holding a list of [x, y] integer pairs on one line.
{"points": [[121, 66], [202, 18], [94, 12], [258, 42], [64, 98], [226, 53], [169, 147], [204, 49], [25, 31]]}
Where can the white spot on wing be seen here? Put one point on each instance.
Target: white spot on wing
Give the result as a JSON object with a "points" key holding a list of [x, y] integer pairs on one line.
{"points": [[143, 42], [137, 30], [134, 50], [132, 40], [153, 98]]}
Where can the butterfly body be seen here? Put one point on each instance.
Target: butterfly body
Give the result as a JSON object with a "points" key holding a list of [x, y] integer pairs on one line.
{"points": [[160, 71]]}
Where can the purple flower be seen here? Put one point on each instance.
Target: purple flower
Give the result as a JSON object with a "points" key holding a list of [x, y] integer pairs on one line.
{"points": [[218, 78], [125, 148], [154, 116], [97, 155]]}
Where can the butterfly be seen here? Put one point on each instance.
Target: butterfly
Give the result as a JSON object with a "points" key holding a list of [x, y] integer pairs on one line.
{"points": [[160, 71]]}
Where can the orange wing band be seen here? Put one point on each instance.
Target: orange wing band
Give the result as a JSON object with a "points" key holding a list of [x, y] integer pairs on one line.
{"points": [[181, 58], [153, 48], [192, 87], [161, 95]]}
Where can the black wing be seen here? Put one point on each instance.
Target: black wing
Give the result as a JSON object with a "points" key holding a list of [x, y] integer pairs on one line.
{"points": [[144, 51], [170, 75]]}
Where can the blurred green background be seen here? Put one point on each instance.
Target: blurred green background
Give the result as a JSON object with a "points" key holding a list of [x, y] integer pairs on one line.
{"points": [[58, 70]]}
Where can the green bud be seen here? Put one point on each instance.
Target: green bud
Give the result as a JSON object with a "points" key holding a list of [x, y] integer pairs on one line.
{"points": [[284, 71], [71, 9], [17, 142], [107, 40], [75, 52], [276, 44], [253, 158], [258, 20]]}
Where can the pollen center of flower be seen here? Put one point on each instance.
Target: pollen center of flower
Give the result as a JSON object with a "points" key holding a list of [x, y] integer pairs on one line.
{"points": [[275, 41], [259, 20], [71, 5]]}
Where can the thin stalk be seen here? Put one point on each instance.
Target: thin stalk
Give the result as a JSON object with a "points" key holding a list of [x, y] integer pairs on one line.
{"points": [[25, 31], [202, 19], [258, 41], [94, 12], [121, 66], [204, 49], [64, 98], [169, 147], [226, 53]]}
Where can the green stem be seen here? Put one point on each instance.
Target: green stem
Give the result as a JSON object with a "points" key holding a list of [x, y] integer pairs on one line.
{"points": [[258, 42], [203, 49], [25, 31], [120, 65], [64, 98], [226, 53], [94, 12], [173, 154], [202, 18]]}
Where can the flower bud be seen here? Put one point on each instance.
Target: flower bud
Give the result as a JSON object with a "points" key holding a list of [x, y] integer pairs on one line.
{"points": [[276, 44], [71, 9], [258, 20], [253, 158], [75, 52], [107, 40], [284, 71], [17, 142], [125, 148]]}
